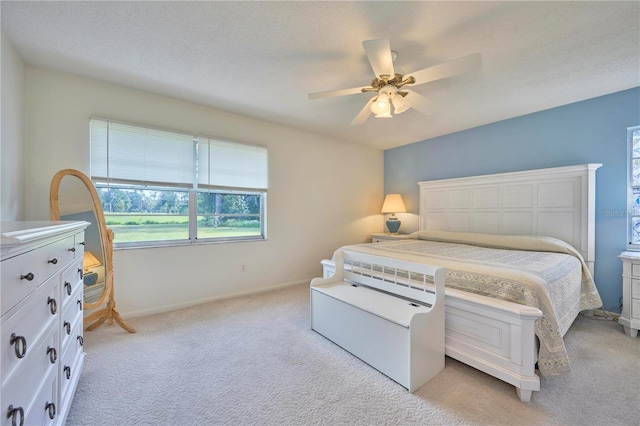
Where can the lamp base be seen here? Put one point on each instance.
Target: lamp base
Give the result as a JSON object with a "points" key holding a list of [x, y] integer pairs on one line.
{"points": [[393, 224], [90, 278]]}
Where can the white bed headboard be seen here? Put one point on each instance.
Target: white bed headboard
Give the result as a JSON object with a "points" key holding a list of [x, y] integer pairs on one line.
{"points": [[557, 202]]}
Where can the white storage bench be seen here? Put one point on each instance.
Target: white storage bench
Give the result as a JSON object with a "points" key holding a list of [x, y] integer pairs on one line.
{"points": [[387, 312]]}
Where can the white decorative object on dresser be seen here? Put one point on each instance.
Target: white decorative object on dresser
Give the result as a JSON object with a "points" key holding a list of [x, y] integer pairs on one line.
{"points": [[383, 236], [630, 316], [41, 323]]}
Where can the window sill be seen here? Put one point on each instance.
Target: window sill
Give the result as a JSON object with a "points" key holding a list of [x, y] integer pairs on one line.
{"points": [[151, 245]]}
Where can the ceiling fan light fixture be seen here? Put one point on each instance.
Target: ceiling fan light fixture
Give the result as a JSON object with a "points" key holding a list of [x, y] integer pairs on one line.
{"points": [[381, 105], [400, 104], [386, 114]]}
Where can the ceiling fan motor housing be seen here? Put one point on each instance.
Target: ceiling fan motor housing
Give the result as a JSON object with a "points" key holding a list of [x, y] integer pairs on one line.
{"points": [[378, 83]]}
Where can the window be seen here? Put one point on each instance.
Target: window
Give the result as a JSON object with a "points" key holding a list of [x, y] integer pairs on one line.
{"points": [[159, 187], [633, 209]]}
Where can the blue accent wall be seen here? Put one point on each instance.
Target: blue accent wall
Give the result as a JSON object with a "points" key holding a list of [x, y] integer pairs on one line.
{"points": [[591, 131]]}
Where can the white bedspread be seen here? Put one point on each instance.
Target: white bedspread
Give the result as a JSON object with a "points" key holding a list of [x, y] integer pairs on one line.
{"points": [[541, 272]]}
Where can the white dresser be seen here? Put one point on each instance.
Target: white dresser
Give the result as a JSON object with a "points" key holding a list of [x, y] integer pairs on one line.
{"points": [[41, 320], [630, 316]]}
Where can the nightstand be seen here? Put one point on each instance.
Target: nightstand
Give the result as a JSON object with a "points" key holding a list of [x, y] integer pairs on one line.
{"points": [[630, 316], [383, 236]]}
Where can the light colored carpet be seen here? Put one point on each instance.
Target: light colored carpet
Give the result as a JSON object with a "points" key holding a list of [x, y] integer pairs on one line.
{"points": [[254, 360]]}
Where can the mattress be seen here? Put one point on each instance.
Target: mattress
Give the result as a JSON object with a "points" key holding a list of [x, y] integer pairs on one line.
{"points": [[535, 271]]}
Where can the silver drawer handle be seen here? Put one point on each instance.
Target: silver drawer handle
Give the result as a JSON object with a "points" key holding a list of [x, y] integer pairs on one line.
{"points": [[72, 249], [67, 327], [54, 261], [19, 341], [67, 371], [13, 413], [67, 286]]}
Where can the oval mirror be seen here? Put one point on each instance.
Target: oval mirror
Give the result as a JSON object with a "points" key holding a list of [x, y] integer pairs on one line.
{"points": [[72, 196]]}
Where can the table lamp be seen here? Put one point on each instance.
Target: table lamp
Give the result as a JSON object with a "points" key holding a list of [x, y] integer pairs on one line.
{"points": [[393, 204]]}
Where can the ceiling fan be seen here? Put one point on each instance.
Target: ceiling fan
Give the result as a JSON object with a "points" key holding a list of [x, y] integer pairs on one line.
{"points": [[390, 87]]}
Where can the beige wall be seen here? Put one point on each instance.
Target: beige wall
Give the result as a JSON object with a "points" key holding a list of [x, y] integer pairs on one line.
{"points": [[322, 193], [11, 142]]}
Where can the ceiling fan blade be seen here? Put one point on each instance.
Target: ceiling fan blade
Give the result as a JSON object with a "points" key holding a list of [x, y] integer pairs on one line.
{"points": [[379, 54], [332, 93], [364, 112], [457, 66], [419, 102]]}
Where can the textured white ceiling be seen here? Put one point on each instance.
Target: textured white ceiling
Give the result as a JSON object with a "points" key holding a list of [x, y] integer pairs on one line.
{"points": [[261, 59]]}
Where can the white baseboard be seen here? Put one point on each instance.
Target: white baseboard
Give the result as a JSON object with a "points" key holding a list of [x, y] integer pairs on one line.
{"points": [[178, 306]]}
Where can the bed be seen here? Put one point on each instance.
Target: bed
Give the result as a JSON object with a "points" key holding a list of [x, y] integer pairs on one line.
{"points": [[519, 250]]}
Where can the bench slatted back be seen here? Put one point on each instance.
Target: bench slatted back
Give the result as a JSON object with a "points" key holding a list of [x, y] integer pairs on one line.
{"points": [[410, 280]]}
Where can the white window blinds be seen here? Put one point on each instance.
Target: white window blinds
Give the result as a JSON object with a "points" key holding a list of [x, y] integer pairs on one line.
{"points": [[231, 165], [122, 153], [134, 155]]}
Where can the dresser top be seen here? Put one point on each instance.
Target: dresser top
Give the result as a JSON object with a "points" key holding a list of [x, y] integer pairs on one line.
{"points": [[630, 255], [19, 236]]}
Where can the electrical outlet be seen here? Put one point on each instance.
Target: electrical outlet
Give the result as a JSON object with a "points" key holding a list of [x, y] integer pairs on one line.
{"points": [[243, 268]]}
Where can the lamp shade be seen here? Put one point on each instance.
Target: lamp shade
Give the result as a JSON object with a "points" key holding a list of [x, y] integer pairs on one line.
{"points": [[393, 204], [381, 105], [89, 261], [400, 104]]}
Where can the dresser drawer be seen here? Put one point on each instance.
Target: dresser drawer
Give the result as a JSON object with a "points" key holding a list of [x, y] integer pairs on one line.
{"points": [[71, 284], [635, 288], [635, 308], [20, 277], [40, 411], [57, 255], [70, 364], [71, 317], [41, 362], [635, 270], [78, 244], [38, 315]]}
